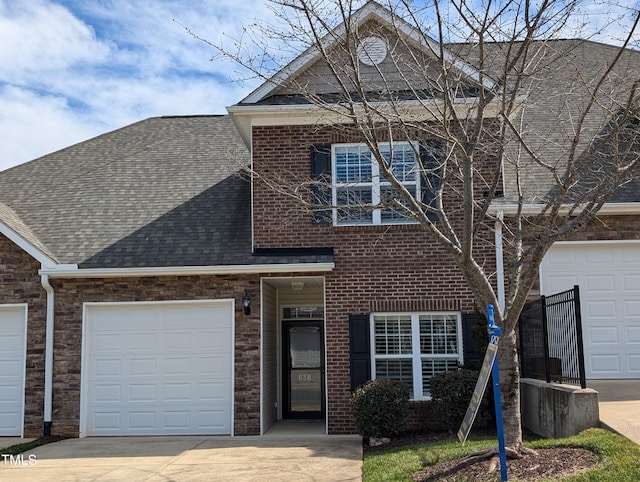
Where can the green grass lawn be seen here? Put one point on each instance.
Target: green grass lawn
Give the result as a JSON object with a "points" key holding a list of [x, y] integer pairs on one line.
{"points": [[619, 457]]}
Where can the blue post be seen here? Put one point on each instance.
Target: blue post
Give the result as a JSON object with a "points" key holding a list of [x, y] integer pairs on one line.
{"points": [[494, 333]]}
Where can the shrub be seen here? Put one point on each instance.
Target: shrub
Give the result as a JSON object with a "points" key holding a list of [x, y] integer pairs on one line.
{"points": [[380, 408], [453, 390]]}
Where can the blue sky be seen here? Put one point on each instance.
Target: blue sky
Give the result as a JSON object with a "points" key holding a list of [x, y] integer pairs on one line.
{"points": [[73, 69]]}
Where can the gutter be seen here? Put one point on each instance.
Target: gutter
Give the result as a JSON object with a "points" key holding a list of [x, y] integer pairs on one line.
{"points": [[48, 356], [533, 208]]}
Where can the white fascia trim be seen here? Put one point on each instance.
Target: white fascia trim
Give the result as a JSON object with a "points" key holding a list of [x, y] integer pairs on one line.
{"points": [[612, 242], [609, 208], [187, 270], [312, 114], [27, 247]]}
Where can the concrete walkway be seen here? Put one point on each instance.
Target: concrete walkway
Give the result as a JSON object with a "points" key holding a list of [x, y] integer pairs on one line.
{"points": [[192, 458], [619, 404]]}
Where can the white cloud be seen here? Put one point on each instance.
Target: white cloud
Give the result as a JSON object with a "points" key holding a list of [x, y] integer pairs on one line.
{"points": [[32, 125], [71, 69], [37, 37]]}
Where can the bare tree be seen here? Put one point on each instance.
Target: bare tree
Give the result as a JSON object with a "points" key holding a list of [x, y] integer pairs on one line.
{"points": [[526, 132]]}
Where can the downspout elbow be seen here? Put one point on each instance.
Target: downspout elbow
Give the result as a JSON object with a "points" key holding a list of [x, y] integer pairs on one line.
{"points": [[48, 355]]}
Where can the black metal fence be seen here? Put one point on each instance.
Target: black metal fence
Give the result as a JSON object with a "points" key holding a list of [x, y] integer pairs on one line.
{"points": [[551, 345]]}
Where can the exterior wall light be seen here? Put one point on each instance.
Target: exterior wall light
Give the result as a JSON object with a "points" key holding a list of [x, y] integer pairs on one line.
{"points": [[246, 303]]}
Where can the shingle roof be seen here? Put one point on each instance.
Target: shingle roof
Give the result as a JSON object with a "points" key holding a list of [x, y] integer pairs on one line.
{"points": [[556, 96], [166, 191]]}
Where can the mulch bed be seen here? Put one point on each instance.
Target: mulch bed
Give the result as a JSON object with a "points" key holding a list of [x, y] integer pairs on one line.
{"points": [[546, 464]]}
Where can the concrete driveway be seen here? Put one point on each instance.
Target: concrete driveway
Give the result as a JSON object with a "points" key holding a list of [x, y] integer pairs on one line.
{"points": [[191, 458], [619, 404]]}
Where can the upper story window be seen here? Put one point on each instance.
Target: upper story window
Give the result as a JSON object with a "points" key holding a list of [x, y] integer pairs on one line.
{"points": [[361, 193]]}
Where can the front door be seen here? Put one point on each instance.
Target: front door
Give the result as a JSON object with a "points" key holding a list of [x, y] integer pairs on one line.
{"points": [[303, 369]]}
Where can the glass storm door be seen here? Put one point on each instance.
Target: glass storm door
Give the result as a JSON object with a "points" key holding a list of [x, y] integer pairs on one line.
{"points": [[304, 369]]}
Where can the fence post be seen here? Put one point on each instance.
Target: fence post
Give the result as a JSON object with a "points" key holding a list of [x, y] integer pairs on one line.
{"points": [[578, 314], [545, 338]]}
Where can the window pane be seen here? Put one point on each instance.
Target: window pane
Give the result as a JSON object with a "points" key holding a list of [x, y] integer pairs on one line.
{"points": [[392, 335], [353, 164], [439, 334], [393, 214], [356, 202], [400, 370], [432, 367], [403, 162]]}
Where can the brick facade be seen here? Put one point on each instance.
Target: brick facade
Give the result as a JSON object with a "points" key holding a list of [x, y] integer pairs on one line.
{"points": [[377, 268]]}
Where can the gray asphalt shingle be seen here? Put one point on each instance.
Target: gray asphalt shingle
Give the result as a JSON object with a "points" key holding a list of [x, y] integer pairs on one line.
{"points": [[166, 191]]}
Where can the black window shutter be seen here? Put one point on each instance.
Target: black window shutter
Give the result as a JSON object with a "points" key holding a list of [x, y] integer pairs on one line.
{"points": [[431, 159], [359, 350], [321, 172], [472, 349]]}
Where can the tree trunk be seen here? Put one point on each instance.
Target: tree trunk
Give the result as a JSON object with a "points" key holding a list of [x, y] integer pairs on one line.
{"points": [[510, 387]]}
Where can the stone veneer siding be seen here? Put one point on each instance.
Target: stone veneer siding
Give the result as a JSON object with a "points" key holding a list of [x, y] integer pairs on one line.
{"points": [[20, 283], [70, 296]]}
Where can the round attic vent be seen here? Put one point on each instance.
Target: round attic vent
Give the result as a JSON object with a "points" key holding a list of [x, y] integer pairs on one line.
{"points": [[372, 50]]}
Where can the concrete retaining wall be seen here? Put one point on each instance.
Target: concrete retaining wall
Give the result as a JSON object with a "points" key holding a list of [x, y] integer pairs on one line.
{"points": [[555, 411]]}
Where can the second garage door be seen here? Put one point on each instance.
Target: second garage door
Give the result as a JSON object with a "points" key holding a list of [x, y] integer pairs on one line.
{"points": [[609, 278], [13, 323], [158, 369]]}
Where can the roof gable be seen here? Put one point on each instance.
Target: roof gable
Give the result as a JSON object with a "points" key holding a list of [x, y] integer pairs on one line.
{"points": [[310, 69]]}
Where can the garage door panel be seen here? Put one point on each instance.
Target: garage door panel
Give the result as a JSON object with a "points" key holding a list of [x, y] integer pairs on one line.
{"points": [[632, 309], [609, 279], [601, 284], [631, 283], [171, 380], [604, 335], [605, 364], [557, 283], [601, 309], [12, 368]]}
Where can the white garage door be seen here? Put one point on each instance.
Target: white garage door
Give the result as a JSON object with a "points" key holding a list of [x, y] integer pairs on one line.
{"points": [[13, 348], [609, 279], [158, 368]]}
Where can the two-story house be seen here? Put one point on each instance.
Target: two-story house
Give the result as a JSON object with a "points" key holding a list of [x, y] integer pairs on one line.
{"points": [[153, 280]]}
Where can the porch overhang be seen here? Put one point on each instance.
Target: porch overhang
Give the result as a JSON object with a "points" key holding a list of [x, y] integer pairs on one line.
{"points": [[72, 271]]}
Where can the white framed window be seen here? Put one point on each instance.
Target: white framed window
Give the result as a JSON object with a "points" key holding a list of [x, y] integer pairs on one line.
{"points": [[359, 190], [412, 347]]}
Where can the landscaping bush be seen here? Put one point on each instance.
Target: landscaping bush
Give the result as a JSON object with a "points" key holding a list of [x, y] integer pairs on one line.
{"points": [[380, 408], [426, 416], [452, 391]]}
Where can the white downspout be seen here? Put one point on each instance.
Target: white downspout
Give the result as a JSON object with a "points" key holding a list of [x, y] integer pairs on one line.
{"points": [[500, 260], [48, 356]]}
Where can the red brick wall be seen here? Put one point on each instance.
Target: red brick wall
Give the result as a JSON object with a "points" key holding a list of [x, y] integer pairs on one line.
{"points": [[377, 268], [20, 283], [70, 295]]}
